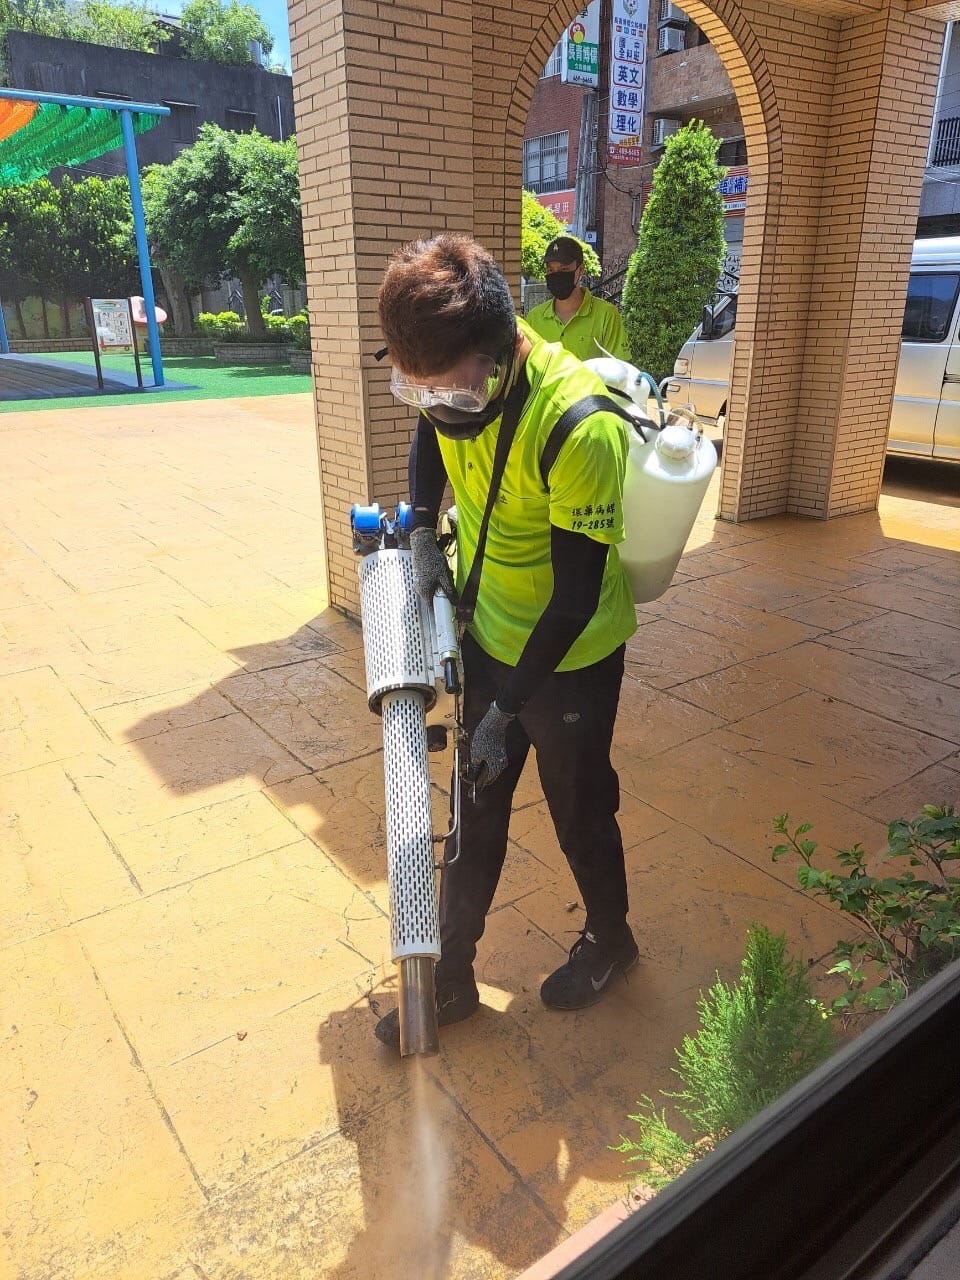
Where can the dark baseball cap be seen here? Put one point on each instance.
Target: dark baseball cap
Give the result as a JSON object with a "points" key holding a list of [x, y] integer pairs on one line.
{"points": [[564, 249]]}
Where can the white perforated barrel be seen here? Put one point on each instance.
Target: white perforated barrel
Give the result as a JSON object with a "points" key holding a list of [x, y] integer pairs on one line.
{"points": [[398, 648], [414, 921], [396, 629]]}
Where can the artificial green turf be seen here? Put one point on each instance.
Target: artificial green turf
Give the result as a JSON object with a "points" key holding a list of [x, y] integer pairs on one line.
{"points": [[213, 381]]}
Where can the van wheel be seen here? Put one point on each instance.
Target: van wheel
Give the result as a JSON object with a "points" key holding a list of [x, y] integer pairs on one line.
{"points": [[721, 421]]}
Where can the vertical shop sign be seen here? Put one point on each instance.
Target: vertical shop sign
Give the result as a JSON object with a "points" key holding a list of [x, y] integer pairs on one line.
{"points": [[581, 48], [628, 64]]}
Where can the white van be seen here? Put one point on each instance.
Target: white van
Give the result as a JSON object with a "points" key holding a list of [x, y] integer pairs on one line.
{"points": [[925, 422]]}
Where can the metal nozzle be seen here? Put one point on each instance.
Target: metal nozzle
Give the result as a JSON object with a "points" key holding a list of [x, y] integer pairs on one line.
{"points": [[418, 1007]]}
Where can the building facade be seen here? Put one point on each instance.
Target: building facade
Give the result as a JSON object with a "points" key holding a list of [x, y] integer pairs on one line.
{"points": [[685, 80]]}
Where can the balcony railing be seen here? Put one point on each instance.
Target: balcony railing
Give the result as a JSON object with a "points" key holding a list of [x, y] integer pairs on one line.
{"points": [[946, 147]]}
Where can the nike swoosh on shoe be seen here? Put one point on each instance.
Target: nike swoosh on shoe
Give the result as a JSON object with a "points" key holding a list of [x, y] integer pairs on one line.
{"points": [[598, 986]]}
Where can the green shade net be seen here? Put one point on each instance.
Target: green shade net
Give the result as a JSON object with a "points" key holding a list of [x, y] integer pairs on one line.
{"points": [[60, 136]]}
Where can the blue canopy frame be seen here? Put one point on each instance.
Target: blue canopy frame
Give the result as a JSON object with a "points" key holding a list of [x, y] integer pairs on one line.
{"points": [[125, 110]]}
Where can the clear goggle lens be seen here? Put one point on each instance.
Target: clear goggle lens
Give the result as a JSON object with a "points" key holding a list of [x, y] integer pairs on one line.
{"points": [[465, 394]]}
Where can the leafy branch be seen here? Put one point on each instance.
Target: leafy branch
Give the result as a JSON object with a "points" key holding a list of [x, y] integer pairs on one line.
{"points": [[911, 917]]}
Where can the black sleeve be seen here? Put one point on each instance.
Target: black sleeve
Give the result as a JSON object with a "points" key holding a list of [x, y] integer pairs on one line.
{"points": [[578, 566], [427, 475]]}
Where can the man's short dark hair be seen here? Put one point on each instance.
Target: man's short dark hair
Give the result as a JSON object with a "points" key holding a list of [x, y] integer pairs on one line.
{"points": [[442, 299], [564, 249]]}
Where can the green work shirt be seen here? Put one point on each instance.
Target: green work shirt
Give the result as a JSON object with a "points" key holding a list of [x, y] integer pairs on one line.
{"points": [[595, 322], [585, 496]]}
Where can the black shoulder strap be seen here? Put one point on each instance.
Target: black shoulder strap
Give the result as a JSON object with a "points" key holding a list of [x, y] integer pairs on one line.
{"points": [[508, 429], [571, 418]]}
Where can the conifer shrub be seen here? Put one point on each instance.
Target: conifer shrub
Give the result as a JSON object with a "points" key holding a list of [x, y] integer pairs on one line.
{"points": [[756, 1038], [680, 249]]}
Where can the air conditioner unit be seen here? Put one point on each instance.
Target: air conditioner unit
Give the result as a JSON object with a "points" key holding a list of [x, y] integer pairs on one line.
{"points": [[671, 13], [669, 40], [662, 129]]}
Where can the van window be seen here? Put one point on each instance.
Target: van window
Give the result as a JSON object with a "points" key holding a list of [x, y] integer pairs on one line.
{"points": [[931, 297], [724, 321]]}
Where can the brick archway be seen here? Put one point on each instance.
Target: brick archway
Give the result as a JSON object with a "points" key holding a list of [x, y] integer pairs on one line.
{"points": [[410, 121]]}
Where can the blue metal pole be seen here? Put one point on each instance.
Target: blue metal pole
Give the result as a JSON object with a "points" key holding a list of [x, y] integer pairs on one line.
{"points": [[143, 252], [4, 344], [97, 104]]}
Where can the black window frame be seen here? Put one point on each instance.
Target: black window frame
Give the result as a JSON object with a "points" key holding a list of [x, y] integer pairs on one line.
{"points": [[946, 330], [231, 125]]}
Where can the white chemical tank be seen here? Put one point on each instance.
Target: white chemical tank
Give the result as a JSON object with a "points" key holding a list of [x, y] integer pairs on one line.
{"points": [[665, 483], [663, 491]]}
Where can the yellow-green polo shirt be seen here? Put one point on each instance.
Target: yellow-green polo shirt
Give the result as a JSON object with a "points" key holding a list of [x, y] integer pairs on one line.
{"points": [[585, 496], [595, 321]]}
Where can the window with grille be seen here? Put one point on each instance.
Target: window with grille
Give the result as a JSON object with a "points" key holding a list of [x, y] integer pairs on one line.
{"points": [[946, 146], [545, 163], [554, 63]]}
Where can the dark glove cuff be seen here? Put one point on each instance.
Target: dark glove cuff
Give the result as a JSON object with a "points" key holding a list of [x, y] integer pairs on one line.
{"points": [[424, 519]]}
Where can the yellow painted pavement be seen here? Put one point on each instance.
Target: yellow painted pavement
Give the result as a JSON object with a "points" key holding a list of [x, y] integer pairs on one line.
{"points": [[193, 938]]}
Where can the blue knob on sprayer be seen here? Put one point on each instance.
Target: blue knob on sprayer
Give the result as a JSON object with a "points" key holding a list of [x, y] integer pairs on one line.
{"points": [[366, 526]]}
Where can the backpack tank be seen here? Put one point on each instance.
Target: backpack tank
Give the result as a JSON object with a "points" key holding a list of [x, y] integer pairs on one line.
{"points": [[666, 480]]}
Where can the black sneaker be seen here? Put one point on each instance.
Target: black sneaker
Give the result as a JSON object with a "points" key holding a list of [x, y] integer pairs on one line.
{"points": [[589, 973], [455, 1001]]}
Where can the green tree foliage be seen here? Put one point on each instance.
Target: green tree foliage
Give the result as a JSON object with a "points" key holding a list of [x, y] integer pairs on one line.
{"points": [[756, 1039], [66, 243], [675, 267], [41, 17], [121, 25], [228, 205], [216, 32], [538, 226]]}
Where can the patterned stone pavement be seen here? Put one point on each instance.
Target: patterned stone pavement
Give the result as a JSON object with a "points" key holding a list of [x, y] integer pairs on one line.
{"points": [[193, 934]]}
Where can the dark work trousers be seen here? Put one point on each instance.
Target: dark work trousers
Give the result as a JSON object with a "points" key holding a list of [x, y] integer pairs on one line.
{"points": [[569, 722]]}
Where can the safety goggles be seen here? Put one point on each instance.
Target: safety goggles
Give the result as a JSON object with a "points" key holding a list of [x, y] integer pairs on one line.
{"points": [[468, 388]]}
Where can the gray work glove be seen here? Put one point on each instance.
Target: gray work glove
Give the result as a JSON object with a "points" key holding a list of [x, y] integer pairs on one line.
{"points": [[488, 747], [431, 568]]}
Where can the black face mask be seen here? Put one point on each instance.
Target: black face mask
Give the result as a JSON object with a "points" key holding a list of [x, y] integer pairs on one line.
{"points": [[560, 284], [457, 425]]}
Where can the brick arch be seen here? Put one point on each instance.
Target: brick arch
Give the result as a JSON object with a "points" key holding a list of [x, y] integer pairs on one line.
{"points": [[499, 143]]}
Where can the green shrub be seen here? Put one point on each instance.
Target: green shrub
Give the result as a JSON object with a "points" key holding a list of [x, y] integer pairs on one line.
{"points": [[278, 328], [217, 327], [756, 1039], [228, 327], [911, 922], [299, 327], [675, 267]]}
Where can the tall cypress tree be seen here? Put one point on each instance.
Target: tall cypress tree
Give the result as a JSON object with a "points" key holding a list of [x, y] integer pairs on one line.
{"points": [[679, 255]]}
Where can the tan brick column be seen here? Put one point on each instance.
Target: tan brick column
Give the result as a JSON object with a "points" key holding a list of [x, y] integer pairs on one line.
{"points": [[836, 136], [384, 103], [883, 95]]}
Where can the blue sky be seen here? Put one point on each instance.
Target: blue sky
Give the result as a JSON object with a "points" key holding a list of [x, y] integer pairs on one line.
{"points": [[274, 14]]}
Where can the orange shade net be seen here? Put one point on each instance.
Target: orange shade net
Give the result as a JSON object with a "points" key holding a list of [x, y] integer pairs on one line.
{"points": [[15, 114]]}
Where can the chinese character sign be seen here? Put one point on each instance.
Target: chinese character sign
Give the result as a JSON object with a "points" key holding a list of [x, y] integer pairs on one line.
{"points": [[733, 188], [562, 204], [581, 47], [628, 63]]}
